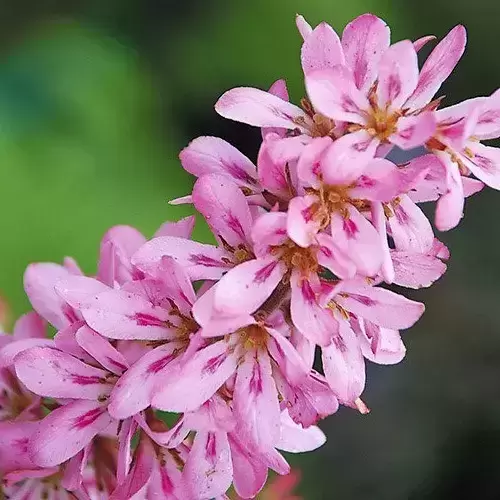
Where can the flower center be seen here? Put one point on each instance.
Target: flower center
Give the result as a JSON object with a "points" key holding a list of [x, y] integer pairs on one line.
{"points": [[295, 257], [333, 199], [381, 123], [321, 126], [253, 337], [186, 324], [239, 253]]}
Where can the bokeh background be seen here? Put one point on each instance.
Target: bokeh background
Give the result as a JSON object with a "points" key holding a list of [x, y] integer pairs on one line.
{"points": [[97, 98]]}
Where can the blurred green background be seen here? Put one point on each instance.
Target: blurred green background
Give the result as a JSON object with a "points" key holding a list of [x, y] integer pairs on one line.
{"points": [[96, 100]]}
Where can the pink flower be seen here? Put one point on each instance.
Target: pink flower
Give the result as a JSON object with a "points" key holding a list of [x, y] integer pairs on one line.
{"points": [[88, 475], [147, 309], [226, 335], [457, 145], [242, 368], [17, 403], [84, 388], [227, 211]]}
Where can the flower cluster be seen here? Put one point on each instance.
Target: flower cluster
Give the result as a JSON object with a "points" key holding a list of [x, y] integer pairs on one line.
{"points": [[224, 336]]}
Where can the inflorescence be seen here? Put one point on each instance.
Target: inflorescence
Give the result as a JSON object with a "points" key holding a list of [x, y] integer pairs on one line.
{"points": [[224, 336]]}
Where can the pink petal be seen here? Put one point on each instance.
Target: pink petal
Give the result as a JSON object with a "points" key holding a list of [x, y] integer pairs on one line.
{"points": [[224, 207], [334, 94], [303, 26], [256, 403], [286, 356], [423, 41], [66, 431], [134, 391], [310, 401], [167, 482], [125, 435], [200, 261], [209, 471], [65, 341], [383, 181], [29, 325], [73, 470], [175, 284], [379, 221], [438, 67], [247, 286], [381, 345], [485, 164], [433, 184], [357, 238], [302, 226], [309, 164], [224, 325], [52, 373], [140, 474], [347, 157], [77, 290], [279, 89], [39, 282], [414, 131], [471, 186], [380, 306], [212, 155], [269, 230], [416, 270], [118, 314], [101, 350], [272, 175], [12, 349], [275, 461], [249, 473], [295, 439], [313, 321], [14, 442], [183, 228], [456, 124], [321, 49], [487, 124], [215, 415], [168, 438], [197, 380], [440, 250], [304, 347], [117, 247], [259, 108], [410, 228], [213, 324], [364, 41], [397, 75], [450, 206], [287, 149], [344, 366], [72, 266]]}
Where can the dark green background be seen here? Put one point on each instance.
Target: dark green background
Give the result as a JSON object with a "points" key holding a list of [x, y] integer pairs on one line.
{"points": [[97, 98]]}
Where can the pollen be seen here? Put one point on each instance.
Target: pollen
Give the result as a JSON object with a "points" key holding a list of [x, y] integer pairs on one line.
{"points": [[333, 306], [332, 199], [321, 126], [295, 257], [241, 254], [254, 337], [381, 123]]}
